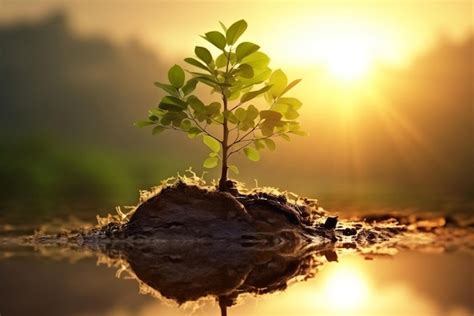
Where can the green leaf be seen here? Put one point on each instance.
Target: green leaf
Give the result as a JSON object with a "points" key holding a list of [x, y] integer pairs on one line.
{"points": [[270, 115], [252, 113], [216, 38], [259, 144], [232, 58], [207, 81], [157, 129], [234, 169], [235, 31], [166, 119], [196, 104], [252, 94], [245, 71], [300, 133], [252, 154], [178, 119], [231, 117], [270, 144], [210, 162], [174, 100], [193, 132], [257, 60], [281, 108], [259, 77], [213, 109], [186, 125], [291, 114], [196, 63], [210, 142], [244, 49], [170, 107], [278, 80], [166, 87], [143, 123], [176, 76], [240, 114], [219, 118], [288, 107], [221, 60], [203, 54], [174, 118], [285, 137], [295, 128], [173, 104], [234, 94], [291, 85], [223, 26], [189, 86], [267, 128], [291, 102]]}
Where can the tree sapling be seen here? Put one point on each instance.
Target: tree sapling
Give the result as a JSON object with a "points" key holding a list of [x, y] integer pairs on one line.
{"points": [[240, 76]]}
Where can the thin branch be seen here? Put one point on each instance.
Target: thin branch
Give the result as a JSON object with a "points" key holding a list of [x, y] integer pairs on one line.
{"points": [[203, 129], [238, 133], [247, 134], [216, 121], [239, 104], [256, 125], [174, 128], [251, 140], [240, 148]]}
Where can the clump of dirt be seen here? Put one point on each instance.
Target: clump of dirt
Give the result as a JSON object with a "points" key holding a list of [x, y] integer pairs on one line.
{"points": [[186, 208], [190, 211]]}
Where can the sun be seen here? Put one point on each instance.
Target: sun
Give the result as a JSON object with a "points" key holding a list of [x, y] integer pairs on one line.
{"points": [[347, 54], [345, 289], [347, 58], [347, 49]]}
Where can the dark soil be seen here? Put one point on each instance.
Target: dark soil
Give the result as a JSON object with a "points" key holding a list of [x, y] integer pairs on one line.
{"points": [[183, 211]]}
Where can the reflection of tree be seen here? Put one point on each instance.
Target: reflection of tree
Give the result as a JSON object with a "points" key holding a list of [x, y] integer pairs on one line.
{"points": [[224, 302]]}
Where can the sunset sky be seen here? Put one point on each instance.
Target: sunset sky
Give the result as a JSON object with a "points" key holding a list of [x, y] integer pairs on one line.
{"points": [[314, 33]]}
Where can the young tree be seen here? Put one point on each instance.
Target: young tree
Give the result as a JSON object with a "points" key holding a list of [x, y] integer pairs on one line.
{"points": [[240, 76]]}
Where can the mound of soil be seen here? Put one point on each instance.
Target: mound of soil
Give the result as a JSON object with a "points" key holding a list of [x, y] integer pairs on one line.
{"points": [[183, 211]]}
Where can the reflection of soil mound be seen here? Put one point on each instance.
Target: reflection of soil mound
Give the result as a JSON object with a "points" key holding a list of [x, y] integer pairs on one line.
{"points": [[186, 211], [189, 271]]}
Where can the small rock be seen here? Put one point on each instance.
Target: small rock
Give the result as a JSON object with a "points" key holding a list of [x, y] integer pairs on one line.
{"points": [[349, 231], [331, 256], [331, 222]]}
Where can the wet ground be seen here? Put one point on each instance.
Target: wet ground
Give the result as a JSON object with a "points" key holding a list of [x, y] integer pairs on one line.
{"points": [[428, 270]]}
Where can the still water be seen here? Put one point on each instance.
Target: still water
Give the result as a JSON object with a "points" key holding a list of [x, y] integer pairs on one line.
{"points": [[158, 281]]}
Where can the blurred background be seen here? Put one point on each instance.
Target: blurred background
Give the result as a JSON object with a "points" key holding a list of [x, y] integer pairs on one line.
{"points": [[387, 97]]}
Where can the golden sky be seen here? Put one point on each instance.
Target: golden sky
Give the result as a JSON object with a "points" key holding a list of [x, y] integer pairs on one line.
{"points": [[293, 32]]}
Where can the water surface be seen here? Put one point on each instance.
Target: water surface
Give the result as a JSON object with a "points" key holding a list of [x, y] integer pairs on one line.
{"points": [[157, 280]]}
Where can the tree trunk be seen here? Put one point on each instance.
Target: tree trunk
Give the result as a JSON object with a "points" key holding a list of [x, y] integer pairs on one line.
{"points": [[225, 148], [223, 179]]}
